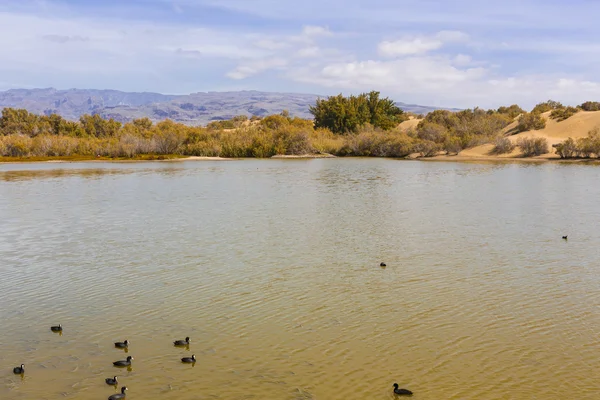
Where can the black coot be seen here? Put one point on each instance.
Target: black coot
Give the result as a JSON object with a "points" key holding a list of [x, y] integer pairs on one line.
{"points": [[123, 363], [185, 342], [122, 345], [57, 328], [112, 381], [119, 395], [19, 370], [191, 359], [401, 392]]}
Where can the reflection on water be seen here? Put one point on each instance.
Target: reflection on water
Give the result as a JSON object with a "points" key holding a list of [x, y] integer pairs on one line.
{"points": [[272, 269], [86, 173]]}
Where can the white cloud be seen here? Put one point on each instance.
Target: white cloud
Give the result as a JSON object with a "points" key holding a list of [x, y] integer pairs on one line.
{"points": [[410, 45], [313, 31], [309, 52], [271, 44], [253, 67]]}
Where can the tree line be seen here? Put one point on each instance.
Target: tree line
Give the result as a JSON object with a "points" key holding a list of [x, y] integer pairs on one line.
{"points": [[363, 125]]}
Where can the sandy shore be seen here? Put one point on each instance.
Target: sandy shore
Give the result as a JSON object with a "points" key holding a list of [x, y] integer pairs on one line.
{"points": [[283, 156]]}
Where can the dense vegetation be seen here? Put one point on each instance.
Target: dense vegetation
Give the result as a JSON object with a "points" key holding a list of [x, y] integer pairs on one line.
{"points": [[364, 125], [344, 115]]}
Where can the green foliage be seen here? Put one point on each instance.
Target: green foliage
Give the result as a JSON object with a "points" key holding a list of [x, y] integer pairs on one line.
{"points": [[561, 114], [546, 106], [95, 125], [533, 146], [590, 106], [531, 121], [512, 111], [343, 115], [455, 131], [224, 124], [20, 121]]}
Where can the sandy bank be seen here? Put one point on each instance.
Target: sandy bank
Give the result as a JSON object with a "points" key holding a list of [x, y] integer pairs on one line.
{"points": [[59, 160], [284, 156]]}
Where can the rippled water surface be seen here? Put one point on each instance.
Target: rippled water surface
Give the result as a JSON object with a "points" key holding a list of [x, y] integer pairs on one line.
{"points": [[272, 268]]}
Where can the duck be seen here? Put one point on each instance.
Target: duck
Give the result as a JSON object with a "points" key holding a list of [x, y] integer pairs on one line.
{"points": [[185, 342], [382, 264], [57, 328], [19, 370], [401, 392], [122, 345], [112, 381], [565, 237], [118, 396], [123, 363], [188, 360]]}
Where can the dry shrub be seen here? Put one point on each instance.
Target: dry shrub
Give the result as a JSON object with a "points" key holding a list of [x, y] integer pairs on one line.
{"points": [[168, 142], [17, 145], [533, 146], [503, 145], [376, 143], [426, 148], [292, 142], [325, 142], [54, 146], [567, 149]]}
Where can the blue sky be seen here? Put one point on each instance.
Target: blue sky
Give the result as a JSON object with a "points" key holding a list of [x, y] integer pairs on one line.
{"points": [[460, 53]]}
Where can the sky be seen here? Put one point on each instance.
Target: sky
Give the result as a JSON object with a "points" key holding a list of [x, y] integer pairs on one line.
{"points": [[445, 53]]}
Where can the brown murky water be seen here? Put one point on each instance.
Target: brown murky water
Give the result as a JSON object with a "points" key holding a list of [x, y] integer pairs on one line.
{"points": [[272, 268]]}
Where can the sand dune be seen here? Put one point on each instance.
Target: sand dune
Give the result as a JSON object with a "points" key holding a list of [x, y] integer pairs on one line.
{"points": [[577, 126], [412, 122]]}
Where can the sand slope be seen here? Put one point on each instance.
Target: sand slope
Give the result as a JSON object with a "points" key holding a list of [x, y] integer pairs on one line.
{"points": [[412, 122], [577, 126]]}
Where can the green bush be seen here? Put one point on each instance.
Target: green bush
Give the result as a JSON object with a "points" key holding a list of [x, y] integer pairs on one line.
{"points": [[590, 106], [512, 111], [561, 114], [531, 121], [547, 106]]}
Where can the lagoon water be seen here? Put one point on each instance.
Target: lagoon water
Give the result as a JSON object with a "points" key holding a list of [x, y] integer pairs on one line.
{"points": [[272, 268]]}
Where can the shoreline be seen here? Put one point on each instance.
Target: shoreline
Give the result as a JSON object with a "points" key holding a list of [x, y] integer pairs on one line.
{"points": [[438, 158], [538, 159], [76, 159]]}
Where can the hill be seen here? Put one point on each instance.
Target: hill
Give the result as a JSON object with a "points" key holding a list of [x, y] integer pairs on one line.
{"points": [[192, 109], [577, 126]]}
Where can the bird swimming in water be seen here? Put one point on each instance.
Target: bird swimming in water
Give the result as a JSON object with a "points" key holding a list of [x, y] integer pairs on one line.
{"points": [[19, 370], [112, 381], [118, 396], [123, 363], [185, 342], [382, 265], [57, 328], [188, 360], [401, 392], [122, 345], [565, 237]]}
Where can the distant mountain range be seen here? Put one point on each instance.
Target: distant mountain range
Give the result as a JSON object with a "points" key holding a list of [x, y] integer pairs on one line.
{"points": [[192, 109]]}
